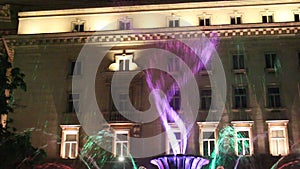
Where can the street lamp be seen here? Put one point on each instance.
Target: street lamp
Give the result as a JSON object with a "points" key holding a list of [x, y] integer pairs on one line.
{"points": [[122, 159]]}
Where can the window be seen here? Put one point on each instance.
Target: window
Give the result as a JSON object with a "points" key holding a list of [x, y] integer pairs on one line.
{"points": [[243, 142], [205, 96], [278, 137], [270, 60], [173, 23], [204, 21], [123, 102], [78, 25], [125, 25], [296, 17], [69, 141], [176, 101], [121, 143], [240, 98], [207, 138], [267, 18], [73, 103], [208, 142], [273, 97], [173, 64], [123, 62], [238, 61], [178, 137], [243, 137], [75, 68], [235, 20]]}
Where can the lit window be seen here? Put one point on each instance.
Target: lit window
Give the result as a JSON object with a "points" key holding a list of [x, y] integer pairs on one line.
{"points": [[69, 141], [270, 60], [173, 64], [238, 61], [278, 137], [243, 137], [204, 21], [207, 138], [205, 96], [273, 97], [267, 18], [121, 143], [178, 140], [208, 142], [73, 103], [296, 17], [176, 101], [235, 20], [75, 68], [123, 62], [240, 97]]}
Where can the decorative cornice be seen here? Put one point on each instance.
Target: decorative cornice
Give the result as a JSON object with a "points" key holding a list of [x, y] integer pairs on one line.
{"points": [[150, 35]]}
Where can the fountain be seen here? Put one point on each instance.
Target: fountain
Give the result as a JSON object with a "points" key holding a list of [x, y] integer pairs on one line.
{"points": [[195, 57]]}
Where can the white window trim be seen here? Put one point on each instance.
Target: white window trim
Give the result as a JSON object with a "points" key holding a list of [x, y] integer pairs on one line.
{"points": [[125, 20], [207, 127], [121, 131], [243, 126], [278, 125], [173, 17], [267, 13], [204, 16], [78, 22], [236, 14], [174, 129], [124, 56], [66, 130]]}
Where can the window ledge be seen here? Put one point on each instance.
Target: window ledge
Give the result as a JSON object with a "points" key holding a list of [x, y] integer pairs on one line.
{"points": [[275, 108], [270, 70], [205, 72], [241, 109], [239, 71]]}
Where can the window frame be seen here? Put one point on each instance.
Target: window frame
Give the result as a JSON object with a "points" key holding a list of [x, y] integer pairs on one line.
{"points": [[267, 16], [270, 60], [207, 127], [72, 102], [206, 97], [238, 62], [240, 96], [115, 142], [278, 125], [243, 126], [75, 68], [78, 23], [69, 130], [173, 21], [273, 97], [236, 20], [174, 129]]}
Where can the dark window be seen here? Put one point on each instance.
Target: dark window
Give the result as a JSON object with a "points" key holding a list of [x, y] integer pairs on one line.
{"points": [[296, 16], [75, 68], [123, 64], [273, 97], [267, 18], [205, 99], [174, 23], [176, 101], [208, 143], [78, 27], [238, 61], [240, 97], [73, 103], [204, 22], [299, 59], [124, 25], [270, 60], [235, 20]]}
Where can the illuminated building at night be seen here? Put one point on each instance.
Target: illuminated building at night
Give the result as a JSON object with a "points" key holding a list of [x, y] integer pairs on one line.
{"points": [[258, 44]]}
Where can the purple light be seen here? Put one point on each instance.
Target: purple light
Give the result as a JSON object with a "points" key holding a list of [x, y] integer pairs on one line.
{"points": [[179, 162]]}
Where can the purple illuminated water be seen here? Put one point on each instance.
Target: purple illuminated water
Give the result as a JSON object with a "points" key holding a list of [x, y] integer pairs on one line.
{"points": [[195, 56]]}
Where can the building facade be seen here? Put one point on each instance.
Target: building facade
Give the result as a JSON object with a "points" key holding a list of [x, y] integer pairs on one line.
{"points": [[258, 45]]}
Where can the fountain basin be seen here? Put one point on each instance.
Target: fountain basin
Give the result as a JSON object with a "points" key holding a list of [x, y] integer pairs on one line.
{"points": [[179, 162]]}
